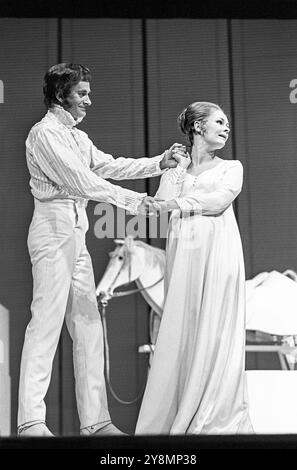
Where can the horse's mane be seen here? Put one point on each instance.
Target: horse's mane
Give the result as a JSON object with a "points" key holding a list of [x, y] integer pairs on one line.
{"points": [[152, 251]]}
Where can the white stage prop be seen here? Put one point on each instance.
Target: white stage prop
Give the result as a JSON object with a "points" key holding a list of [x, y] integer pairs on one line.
{"points": [[5, 393], [271, 304], [272, 401]]}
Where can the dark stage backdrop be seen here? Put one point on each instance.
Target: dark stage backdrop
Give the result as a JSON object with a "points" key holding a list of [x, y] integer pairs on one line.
{"points": [[144, 73]]}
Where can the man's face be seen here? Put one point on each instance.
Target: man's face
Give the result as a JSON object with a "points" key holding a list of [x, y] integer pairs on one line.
{"points": [[78, 100]]}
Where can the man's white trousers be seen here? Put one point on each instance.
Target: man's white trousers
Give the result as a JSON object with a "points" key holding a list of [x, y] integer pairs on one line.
{"points": [[63, 287]]}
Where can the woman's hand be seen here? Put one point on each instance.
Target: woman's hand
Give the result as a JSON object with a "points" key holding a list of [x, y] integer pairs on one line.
{"points": [[183, 159], [146, 207], [160, 206]]}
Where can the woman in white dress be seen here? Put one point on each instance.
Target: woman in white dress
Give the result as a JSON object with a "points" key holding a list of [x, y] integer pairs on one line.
{"points": [[196, 384]]}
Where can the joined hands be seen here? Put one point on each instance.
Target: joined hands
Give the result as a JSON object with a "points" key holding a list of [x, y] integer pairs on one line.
{"points": [[150, 206], [177, 154]]}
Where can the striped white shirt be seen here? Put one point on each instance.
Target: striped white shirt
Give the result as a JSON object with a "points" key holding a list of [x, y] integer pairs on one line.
{"points": [[64, 163]]}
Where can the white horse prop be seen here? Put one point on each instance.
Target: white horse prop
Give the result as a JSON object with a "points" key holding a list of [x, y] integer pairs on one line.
{"points": [[133, 261], [271, 297]]}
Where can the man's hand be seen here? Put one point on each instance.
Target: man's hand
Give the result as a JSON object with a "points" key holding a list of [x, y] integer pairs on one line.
{"points": [[172, 155]]}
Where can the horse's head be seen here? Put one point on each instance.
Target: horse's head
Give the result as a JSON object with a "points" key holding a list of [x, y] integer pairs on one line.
{"points": [[125, 266]]}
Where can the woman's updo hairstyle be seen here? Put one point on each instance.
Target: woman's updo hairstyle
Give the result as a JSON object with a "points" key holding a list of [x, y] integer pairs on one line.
{"points": [[198, 111]]}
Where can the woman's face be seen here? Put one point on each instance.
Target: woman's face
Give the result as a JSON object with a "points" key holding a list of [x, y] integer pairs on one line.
{"points": [[216, 130]]}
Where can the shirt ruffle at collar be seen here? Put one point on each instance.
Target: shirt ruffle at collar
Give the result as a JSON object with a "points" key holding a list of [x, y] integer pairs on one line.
{"points": [[64, 116]]}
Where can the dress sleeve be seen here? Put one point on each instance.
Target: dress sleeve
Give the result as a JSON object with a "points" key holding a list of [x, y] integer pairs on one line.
{"points": [[171, 183], [106, 166], [62, 166], [216, 202]]}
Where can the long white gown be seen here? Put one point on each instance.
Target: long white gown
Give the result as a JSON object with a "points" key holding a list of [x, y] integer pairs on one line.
{"points": [[196, 384]]}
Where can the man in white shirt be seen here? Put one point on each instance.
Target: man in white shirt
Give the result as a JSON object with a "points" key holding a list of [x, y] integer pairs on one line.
{"points": [[66, 171]]}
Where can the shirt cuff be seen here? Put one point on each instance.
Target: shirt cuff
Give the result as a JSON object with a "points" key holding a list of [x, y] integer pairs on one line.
{"points": [[156, 165], [129, 201]]}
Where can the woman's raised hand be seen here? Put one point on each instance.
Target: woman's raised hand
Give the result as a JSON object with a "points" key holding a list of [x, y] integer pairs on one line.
{"points": [[183, 158]]}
